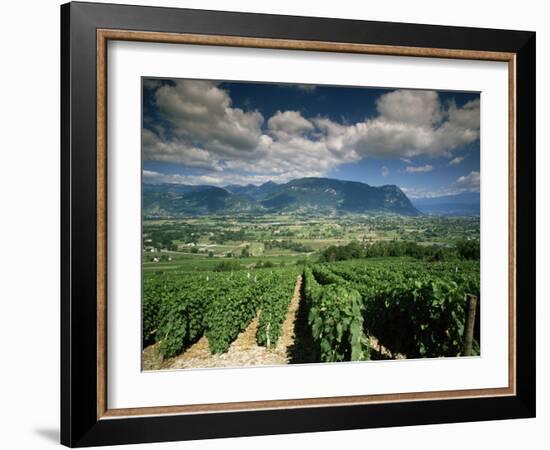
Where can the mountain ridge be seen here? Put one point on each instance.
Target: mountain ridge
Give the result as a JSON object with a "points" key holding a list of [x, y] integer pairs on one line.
{"points": [[305, 195]]}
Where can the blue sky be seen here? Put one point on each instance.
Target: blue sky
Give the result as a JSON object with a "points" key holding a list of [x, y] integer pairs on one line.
{"points": [[220, 133]]}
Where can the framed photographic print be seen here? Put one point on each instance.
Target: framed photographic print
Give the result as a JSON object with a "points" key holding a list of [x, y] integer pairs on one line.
{"points": [[277, 224]]}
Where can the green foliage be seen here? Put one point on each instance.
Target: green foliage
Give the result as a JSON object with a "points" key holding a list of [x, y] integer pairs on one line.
{"points": [[173, 311], [424, 318], [336, 320], [343, 252], [413, 308], [232, 306], [464, 249], [179, 309], [154, 289], [302, 262], [265, 265], [227, 266], [181, 323], [468, 249], [287, 244], [274, 306], [323, 275]]}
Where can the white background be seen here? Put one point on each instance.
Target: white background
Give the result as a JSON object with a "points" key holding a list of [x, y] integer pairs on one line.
{"points": [[29, 190], [129, 387]]}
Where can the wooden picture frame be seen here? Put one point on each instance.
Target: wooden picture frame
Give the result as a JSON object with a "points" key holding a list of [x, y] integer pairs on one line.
{"points": [[86, 418]]}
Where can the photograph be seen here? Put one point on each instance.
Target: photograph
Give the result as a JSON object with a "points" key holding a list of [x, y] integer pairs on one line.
{"points": [[301, 223]]}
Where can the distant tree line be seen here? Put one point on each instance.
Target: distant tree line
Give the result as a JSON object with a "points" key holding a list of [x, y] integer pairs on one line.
{"points": [[232, 265], [163, 237], [227, 266], [463, 249], [231, 235], [287, 244]]}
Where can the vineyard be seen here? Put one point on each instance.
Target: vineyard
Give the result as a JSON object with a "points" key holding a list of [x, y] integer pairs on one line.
{"points": [[416, 309], [179, 308], [410, 308]]}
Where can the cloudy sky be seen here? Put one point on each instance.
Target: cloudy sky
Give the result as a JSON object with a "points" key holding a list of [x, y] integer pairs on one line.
{"points": [[220, 133]]}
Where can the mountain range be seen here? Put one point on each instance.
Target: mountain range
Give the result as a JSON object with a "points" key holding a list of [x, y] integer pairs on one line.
{"points": [[304, 195]]}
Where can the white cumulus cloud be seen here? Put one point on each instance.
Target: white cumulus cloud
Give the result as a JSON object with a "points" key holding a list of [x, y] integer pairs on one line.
{"points": [[409, 124], [467, 183], [417, 169], [288, 123], [420, 108], [201, 128], [456, 161], [200, 112]]}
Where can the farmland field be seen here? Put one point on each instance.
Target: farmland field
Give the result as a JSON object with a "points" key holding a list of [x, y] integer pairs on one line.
{"points": [[281, 290]]}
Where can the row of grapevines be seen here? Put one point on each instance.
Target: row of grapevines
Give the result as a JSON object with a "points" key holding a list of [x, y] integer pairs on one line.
{"points": [[179, 309], [232, 307], [182, 312], [158, 288], [464, 273], [274, 305], [414, 309], [323, 275], [150, 308], [335, 319]]}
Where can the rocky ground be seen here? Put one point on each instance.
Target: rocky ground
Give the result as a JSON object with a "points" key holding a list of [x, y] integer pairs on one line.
{"points": [[378, 351]]}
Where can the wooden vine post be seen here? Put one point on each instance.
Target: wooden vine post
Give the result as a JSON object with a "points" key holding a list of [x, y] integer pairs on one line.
{"points": [[469, 324]]}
